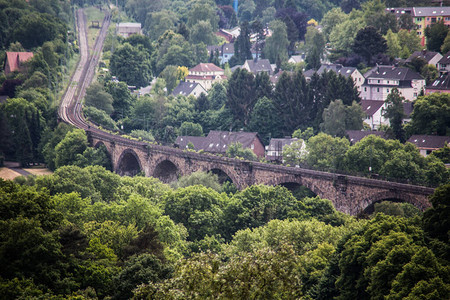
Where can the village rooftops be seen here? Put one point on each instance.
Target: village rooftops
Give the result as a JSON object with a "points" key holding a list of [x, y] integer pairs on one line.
{"points": [[354, 136], [425, 54], [219, 141], [429, 142], [188, 88], [206, 68], [391, 72]]}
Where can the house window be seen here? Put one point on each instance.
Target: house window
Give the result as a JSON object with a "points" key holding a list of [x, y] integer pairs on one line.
{"points": [[252, 146], [415, 94], [378, 81], [387, 90], [365, 89], [378, 90]]}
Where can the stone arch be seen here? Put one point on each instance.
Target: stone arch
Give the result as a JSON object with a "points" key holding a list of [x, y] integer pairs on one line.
{"points": [[128, 163], [368, 203], [166, 170], [98, 144], [293, 182], [224, 176]]}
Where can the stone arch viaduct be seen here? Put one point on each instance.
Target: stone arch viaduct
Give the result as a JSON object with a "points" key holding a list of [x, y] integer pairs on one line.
{"points": [[349, 194]]}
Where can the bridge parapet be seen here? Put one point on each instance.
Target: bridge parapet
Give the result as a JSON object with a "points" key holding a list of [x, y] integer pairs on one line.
{"points": [[349, 194]]}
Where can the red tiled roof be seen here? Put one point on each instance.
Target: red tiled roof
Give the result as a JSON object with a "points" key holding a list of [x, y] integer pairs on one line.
{"points": [[206, 67], [200, 77], [14, 59]]}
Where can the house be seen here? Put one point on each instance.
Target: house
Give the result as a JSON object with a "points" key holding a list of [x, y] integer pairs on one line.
{"points": [[374, 110], [233, 32], [429, 143], [295, 59], [431, 57], [127, 29], [14, 61], [339, 69], [274, 151], [226, 52], [205, 74], [440, 85], [188, 89], [424, 17], [257, 66], [219, 141], [354, 136], [444, 63], [380, 80], [225, 35], [275, 77]]}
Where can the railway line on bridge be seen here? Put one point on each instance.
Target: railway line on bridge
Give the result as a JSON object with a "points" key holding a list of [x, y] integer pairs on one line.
{"points": [[349, 194]]}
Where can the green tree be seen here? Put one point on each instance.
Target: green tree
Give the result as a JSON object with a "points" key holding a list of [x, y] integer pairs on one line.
{"points": [[158, 22], [277, 44], [169, 74], [255, 206], [131, 64], [394, 112], [198, 208], [334, 119], [331, 19], [409, 42], [369, 42], [393, 45], [208, 180], [138, 270], [326, 152], [99, 117], [191, 129], [241, 95], [295, 153], [75, 142], [97, 97], [242, 46], [236, 150], [264, 121], [202, 32], [343, 35], [436, 35], [430, 115], [122, 98]]}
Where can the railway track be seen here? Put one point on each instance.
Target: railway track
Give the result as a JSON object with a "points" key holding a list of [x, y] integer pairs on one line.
{"points": [[70, 110]]}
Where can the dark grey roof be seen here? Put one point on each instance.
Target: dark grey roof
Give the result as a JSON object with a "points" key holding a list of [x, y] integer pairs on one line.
{"points": [[183, 141], [228, 48], [184, 88], [425, 54], [261, 65], [408, 108], [337, 68], [445, 59], [218, 141], [309, 73], [441, 83], [275, 77], [391, 72], [429, 141], [431, 11], [371, 106], [355, 136]]}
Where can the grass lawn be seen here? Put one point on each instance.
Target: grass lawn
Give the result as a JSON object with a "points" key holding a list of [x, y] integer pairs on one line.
{"points": [[93, 14]]}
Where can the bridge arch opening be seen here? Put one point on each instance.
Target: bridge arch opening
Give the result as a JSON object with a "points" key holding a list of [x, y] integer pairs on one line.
{"points": [[129, 164], [166, 171], [222, 175], [391, 201], [298, 191]]}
